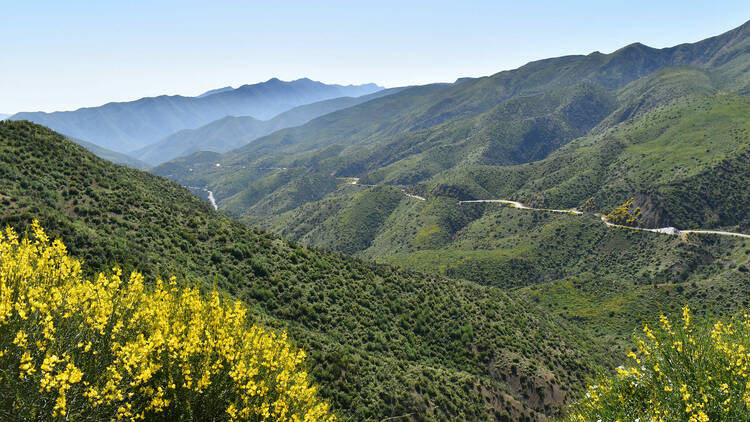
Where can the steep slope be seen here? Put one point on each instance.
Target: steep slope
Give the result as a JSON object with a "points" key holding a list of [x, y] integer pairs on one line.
{"points": [[675, 137], [383, 342], [233, 132], [127, 126]]}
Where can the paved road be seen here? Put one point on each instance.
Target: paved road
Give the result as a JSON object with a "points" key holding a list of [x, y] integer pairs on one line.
{"points": [[663, 230], [519, 205], [516, 204]]}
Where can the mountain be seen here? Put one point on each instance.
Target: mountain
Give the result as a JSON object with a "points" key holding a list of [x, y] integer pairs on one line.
{"points": [[128, 126], [382, 342], [4, 116], [232, 132], [115, 157], [513, 117], [215, 91], [384, 179]]}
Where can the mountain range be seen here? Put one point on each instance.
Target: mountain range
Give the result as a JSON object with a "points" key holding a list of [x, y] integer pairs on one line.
{"points": [[128, 126], [420, 134], [386, 231], [384, 180], [233, 132]]}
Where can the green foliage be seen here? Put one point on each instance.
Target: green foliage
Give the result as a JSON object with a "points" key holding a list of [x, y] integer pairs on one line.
{"points": [[681, 371]]}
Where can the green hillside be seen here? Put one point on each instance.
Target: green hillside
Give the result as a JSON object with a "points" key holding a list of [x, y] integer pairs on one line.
{"points": [[383, 342], [675, 143], [666, 127], [674, 148]]}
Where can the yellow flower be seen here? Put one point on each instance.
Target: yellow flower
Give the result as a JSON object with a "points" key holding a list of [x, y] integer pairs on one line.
{"points": [[137, 350]]}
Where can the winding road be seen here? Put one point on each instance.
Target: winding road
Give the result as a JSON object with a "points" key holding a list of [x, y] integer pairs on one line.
{"points": [[663, 230], [515, 204]]}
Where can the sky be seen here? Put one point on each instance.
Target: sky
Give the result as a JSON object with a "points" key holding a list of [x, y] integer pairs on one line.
{"points": [[62, 55]]}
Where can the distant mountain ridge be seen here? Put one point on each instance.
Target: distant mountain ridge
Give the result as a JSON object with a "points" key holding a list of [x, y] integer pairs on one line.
{"points": [[127, 126], [233, 132], [215, 91], [4, 116], [109, 155]]}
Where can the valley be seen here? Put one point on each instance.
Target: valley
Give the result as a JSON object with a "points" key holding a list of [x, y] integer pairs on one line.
{"points": [[423, 179], [492, 248]]}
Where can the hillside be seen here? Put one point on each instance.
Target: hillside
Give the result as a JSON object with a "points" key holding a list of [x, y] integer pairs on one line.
{"points": [[128, 126], [233, 132], [667, 127], [473, 352]]}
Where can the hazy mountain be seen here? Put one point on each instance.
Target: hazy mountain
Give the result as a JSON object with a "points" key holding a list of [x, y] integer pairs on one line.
{"points": [[232, 132], [115, 157], [216, 91], [4, 116], [128, 126]]}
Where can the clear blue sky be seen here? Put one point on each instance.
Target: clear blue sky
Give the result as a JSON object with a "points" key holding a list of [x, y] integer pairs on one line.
{"points": [[61, 55]]}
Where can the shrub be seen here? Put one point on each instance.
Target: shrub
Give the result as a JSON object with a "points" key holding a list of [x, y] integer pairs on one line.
{"points": [[113, 348], [680, 372], [623, 214]]}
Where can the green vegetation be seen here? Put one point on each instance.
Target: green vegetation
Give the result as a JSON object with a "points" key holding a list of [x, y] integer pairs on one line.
{"points": [[624, 214], [112, 348], [681, 370], [515, 307], [382, 342]]}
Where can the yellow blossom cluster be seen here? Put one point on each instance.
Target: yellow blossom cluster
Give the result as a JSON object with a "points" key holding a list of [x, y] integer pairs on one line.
{"points": [[689, 371], [113, 348]]}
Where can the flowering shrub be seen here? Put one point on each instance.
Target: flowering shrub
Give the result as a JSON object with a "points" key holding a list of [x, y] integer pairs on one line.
{"points": [[113, 348], [623, 215], [680, 372]]}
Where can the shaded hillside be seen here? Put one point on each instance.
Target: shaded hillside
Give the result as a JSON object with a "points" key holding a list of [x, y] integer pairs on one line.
{"points": [[383, 342], [233, 132], [127, 126]]}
